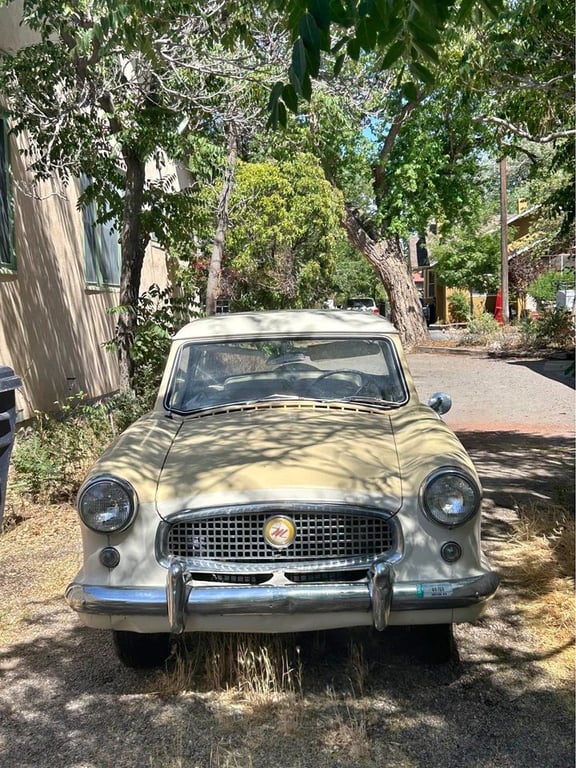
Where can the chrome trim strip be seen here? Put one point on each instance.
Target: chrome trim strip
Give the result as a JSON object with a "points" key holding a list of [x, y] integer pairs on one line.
{"points": [[379, 595]]}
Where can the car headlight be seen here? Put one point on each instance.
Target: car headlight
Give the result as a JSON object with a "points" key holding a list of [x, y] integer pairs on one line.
{"points": [[450, 497], [107, 504]]}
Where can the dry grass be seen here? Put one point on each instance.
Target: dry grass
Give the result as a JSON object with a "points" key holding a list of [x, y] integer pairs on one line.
{"points": [[541, 561], [47, 538], [254, 667]]}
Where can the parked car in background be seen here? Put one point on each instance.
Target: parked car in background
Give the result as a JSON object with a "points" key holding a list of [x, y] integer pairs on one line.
{"points": [[363, 304], [288, 479]]}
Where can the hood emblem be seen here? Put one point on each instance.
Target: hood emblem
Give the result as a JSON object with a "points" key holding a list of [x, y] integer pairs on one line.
{"points": [[279, 531]]}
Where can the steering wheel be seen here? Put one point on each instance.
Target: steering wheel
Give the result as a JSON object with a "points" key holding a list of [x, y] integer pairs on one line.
{"points": [[332, 384]]}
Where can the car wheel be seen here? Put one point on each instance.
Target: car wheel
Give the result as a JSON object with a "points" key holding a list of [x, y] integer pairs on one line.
{"points": [[141, 651], [436, 643]]}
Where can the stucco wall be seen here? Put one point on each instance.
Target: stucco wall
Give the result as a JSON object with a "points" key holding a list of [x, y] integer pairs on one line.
{"points": [[52, 327]]}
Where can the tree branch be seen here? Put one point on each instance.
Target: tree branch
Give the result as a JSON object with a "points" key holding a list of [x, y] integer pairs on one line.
{"points": [[524, 134]]}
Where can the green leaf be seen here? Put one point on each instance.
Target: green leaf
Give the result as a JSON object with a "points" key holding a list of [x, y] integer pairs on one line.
{"points": [[393, 54], [290, 97], [340, 44], [464, 12], [313, 62], [426, 34], [425, 50], [309, 32], [299, 59], [282, 114], [320, 9], [422, 72], [367, 34], [382, 14], [325, 40], [390, 32], [492, 8], [307, 87], [275, 94], [353, 48], [296, 83], [429, 10], [338, 64], [343, 13], [410, 91]]}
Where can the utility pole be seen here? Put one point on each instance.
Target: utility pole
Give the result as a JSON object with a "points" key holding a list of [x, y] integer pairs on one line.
{"points": [[504, 242]]}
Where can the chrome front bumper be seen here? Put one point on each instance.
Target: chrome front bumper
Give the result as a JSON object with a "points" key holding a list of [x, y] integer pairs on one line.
{"points": [[378, 596]]}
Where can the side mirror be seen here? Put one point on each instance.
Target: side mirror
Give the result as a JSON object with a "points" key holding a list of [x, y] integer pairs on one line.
{"points": [[440, 402]]}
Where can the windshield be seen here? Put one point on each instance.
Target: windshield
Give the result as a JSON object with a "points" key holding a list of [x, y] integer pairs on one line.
{"points": [[212, 374], [360, 303]]}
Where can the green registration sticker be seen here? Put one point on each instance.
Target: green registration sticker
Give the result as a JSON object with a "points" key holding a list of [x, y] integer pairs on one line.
{"points": [[440, 589]]}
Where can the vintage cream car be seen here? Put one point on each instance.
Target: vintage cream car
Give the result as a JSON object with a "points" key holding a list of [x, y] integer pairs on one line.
{"points": [[288, 479]]}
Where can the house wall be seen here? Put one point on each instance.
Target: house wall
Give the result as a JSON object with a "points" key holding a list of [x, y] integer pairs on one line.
{"points": [[52, 325]]}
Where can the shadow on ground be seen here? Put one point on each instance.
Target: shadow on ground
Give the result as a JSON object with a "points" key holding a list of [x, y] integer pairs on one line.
{"points": [[357, 690], [561, 370], [518, 469]]}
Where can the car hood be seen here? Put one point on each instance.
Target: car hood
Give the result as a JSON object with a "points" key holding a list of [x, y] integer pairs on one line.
{"points": [[426, 443], [281, 453]]}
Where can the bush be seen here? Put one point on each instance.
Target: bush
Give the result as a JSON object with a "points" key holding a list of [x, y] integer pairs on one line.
{"points": [[458, 307], [544, 288], [483, 325], [51, 456], [125, 407], [552, 328]]}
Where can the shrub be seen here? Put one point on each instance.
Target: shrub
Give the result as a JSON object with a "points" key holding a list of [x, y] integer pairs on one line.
{"points": [[458, 307], [483, 325], [125, 407], [51, 456], [552, 328], [544, 288]]}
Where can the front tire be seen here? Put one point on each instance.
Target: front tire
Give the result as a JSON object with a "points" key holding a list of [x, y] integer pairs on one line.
{"points": [[141, 651], [437, 644]]}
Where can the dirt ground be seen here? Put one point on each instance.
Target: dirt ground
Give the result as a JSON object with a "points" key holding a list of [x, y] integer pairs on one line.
{"points": [[355, 700]]}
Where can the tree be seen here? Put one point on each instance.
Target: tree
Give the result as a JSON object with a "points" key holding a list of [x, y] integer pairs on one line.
{"points": [[521, 87], [105, 90], [521, 63], [284, 226], [468, 259], [399, 164], [404, 31]]}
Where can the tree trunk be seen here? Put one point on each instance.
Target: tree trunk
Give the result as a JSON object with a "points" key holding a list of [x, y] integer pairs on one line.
{"points": [[215, 269], [388, 260], [133, 247]]}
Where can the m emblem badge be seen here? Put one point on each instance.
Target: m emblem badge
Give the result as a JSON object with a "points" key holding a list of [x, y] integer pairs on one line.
{"points": [[279, 531]]}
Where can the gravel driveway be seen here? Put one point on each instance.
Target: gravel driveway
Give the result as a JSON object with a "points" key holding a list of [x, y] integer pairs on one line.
{"points": [[65, 701]]}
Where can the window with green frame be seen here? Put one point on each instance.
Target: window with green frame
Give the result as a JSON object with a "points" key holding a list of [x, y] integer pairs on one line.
{"points": [[101, 248], [7, 254]]}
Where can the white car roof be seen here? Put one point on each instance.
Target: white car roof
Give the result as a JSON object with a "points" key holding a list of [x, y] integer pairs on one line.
{"points": [[290, 322]]}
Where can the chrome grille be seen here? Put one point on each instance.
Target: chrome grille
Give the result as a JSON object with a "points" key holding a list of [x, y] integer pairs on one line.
{"points": [[320, 535]]}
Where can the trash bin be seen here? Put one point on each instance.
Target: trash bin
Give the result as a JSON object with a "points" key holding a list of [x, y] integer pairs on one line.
{"points": [[8, 384]]}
